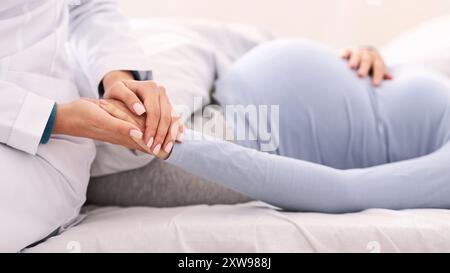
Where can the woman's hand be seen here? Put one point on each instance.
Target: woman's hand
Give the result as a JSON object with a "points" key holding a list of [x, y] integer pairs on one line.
{"points": [[85, 118], [119, 110], [145, 97], [367, 61]]}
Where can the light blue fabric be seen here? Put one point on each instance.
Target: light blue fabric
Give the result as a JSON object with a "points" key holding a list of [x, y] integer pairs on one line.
{"points": [[344, 145]]}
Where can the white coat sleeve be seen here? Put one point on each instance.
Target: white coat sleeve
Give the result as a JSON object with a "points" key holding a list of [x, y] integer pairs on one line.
{"points": [[102, 41], [23, 117]]}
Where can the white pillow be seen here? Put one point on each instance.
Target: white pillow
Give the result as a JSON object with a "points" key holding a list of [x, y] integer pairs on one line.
{"points": [[426, 44]]}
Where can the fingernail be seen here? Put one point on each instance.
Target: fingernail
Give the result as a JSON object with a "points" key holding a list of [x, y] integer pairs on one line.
{"points": [[180, 137], [157, 149], [136, 134], [139, 108], [169, 147], [150, 142]]}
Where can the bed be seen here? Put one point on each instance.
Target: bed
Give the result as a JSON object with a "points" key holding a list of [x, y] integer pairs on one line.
{"points": [[252, 227], [248, 226]]}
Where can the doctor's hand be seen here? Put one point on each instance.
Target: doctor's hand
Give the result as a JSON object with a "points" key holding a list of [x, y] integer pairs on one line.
{"points": [[85, 118], [119, 110], [145, 97], [367, 61]]}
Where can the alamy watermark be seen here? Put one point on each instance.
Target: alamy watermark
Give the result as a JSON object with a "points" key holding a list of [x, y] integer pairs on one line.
{"points": [[236, 123], [373, 247], [73, 247]]}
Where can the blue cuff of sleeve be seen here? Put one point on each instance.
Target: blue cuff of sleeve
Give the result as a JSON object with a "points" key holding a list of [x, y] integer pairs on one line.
{"points": [[49, 127]]}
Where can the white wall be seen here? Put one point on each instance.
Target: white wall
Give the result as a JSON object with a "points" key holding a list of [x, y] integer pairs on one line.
{"points": [[335, 22]]}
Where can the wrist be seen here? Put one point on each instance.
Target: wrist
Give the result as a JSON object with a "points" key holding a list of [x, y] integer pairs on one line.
{"points": [[116, 76], [62, 120]]}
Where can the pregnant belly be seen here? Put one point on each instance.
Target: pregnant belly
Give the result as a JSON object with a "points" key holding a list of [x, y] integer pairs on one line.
{"points": [[326, 113], [415, 110]]}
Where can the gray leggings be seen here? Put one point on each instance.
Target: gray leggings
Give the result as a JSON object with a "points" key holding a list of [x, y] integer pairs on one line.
{"points": [[343, 145]]}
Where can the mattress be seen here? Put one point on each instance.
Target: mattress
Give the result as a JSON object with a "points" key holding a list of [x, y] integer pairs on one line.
{"points": [[252, 227]]}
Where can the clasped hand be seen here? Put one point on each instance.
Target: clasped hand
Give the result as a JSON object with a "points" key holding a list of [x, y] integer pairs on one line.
{"points": [[134, 114]]}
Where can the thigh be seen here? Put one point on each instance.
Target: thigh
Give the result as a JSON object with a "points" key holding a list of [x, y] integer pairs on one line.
{"points": [[35, 199], [415, 111], [326, 113]]}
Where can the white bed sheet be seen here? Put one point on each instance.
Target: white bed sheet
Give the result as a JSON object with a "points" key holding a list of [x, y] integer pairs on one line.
{"points": [[253, 227]]}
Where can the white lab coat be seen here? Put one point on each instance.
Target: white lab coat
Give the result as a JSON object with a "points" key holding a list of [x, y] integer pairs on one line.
{"points": [[42, 187]]}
